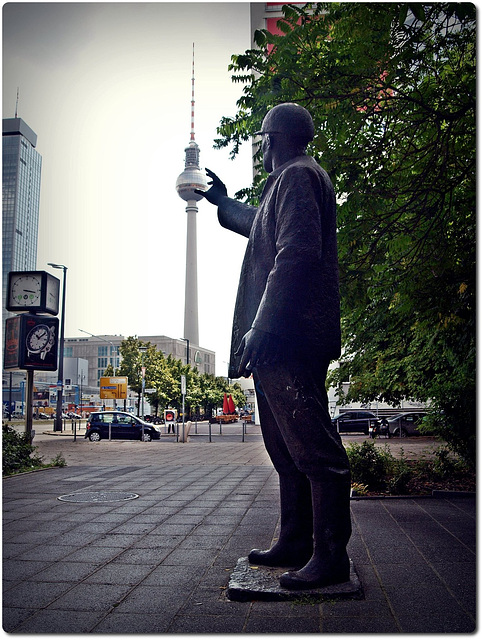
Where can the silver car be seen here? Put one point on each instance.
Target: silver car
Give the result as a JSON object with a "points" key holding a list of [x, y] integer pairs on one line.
{"points": [[405, 424]]}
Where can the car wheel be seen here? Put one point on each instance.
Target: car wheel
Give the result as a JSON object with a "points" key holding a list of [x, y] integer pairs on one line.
{"points": [[401, 433], [146, 437], [95, 436]]}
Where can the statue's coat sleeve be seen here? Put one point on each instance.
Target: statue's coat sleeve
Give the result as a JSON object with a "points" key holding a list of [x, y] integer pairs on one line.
{"points": [[236, 216]]}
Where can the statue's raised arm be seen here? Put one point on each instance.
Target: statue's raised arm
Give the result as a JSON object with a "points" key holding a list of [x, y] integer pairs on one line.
{"points": [[232, 214]]}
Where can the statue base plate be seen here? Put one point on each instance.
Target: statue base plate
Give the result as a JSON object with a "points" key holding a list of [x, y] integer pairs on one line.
{"points": [[250, 582]]}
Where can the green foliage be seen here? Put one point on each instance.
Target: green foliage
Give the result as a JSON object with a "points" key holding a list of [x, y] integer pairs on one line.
{"points": [[19, 455], [358, 489], [401, 474], [446, 464], [376, 469], [369, 464], [392, 90], [17, 452], [109, 372], [204, 392], [58, 461]]}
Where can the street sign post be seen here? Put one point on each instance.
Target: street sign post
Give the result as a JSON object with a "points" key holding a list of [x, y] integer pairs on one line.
{"points": [[183, 393]]}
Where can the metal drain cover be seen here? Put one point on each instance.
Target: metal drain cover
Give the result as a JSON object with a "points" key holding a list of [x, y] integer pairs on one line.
{"points": [[98, 496]]}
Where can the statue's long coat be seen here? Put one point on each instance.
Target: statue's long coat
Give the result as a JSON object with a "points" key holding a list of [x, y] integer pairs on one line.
{"points": [[289, 283]]}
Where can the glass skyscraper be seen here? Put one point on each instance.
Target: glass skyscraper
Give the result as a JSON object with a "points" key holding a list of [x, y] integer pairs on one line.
{"points": [[21, 199], [20, 218]]}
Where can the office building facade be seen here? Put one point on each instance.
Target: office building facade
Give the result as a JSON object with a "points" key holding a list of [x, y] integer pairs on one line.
{"points": [[102, 351], [21, 171]]}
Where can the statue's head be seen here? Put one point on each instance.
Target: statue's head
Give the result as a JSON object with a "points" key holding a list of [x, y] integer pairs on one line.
{"points": [[291, 120]]}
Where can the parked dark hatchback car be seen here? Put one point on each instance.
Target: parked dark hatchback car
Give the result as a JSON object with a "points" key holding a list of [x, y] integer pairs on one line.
{"points": [[121, 426], [405, 424], [355, 421]]}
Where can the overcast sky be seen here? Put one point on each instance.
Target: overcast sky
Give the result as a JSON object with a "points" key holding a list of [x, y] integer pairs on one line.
{"points": [[107, 89]]}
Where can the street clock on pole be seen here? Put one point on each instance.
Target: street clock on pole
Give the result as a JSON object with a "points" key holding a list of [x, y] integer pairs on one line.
{"points": [[33, 291]]}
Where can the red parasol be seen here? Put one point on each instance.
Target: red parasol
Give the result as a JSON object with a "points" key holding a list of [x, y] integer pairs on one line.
{"points": [[231, 405], [226, 409]]}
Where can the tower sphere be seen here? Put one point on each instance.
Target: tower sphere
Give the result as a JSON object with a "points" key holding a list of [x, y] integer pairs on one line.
{"points": [[192, 177]]}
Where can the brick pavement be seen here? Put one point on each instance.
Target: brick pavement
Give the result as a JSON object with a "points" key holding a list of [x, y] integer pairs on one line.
{"points": [[160, 563]]}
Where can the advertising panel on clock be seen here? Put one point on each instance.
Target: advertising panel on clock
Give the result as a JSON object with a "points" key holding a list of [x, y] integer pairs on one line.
{"points": [[31, 342]]}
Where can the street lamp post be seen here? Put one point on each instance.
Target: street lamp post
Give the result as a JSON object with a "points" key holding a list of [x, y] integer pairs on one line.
{"points": [[112, 358], [60, 382], [143, 381], [187, 349]]}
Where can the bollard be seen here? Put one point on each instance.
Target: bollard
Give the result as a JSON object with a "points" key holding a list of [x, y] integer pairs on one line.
{"points": [[186, 431], [220, 429], [209, 431], [243, 430]]}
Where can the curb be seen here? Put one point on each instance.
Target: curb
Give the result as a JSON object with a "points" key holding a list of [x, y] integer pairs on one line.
{"points": [[436, 493]]}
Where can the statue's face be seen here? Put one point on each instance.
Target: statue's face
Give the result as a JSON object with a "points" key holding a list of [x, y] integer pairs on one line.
{"points": [[267, 153]]}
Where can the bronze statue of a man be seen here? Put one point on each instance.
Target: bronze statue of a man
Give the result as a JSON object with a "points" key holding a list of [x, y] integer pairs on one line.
{"points": [[286, 329]]}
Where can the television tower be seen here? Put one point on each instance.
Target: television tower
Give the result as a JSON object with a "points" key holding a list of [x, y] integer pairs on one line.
{"points": [[192, 178]]}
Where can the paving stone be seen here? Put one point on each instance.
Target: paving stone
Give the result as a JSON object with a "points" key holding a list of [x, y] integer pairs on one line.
{"points": [[207, 624], [49, 621], [281, 624], [414, 557], [122, 623], [91, 597]]}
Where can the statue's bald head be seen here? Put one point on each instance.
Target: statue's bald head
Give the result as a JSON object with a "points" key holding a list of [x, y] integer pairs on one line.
{"points": [[291, 120]]}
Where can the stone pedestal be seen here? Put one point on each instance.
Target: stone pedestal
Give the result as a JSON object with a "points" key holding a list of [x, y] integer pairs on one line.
{"points": [[250, 582]]}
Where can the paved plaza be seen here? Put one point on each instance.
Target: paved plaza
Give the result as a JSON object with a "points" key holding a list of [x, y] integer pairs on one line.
{"points": [[157, 555]]}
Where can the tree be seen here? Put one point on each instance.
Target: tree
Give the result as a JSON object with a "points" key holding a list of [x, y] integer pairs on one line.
{"points": [[392, 90], [204, 392], [160, 377], [109, 372], [131, 364]]}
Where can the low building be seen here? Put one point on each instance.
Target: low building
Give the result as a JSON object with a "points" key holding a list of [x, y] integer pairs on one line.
{"points": [[102, 351]]}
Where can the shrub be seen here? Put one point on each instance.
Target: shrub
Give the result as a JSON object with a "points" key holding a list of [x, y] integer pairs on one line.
{"points": [[359, 489], [401, 474], [447, 465], [369, 464], [18, 454]]}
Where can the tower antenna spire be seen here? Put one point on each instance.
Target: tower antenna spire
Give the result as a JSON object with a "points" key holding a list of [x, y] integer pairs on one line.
{"points": [[192, 136], [16, 106]]}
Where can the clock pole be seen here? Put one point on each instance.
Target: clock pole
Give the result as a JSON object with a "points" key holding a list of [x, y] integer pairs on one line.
{"points": [[30, 401]]}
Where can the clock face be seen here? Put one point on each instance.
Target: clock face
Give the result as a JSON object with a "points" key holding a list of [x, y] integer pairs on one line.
{"points": [[38, 338], [53, 288], [25, 291]]}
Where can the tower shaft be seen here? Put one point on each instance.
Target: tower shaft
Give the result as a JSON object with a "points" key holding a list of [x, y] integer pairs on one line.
{"points": [[191, 281]]}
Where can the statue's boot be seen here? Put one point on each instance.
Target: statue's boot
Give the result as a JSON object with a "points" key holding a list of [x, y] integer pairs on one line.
{"points": [[329, 563], [294, 546]]}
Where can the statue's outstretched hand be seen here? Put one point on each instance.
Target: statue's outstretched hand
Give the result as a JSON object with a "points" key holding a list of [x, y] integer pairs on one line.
{"points": [[217, 190]]}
